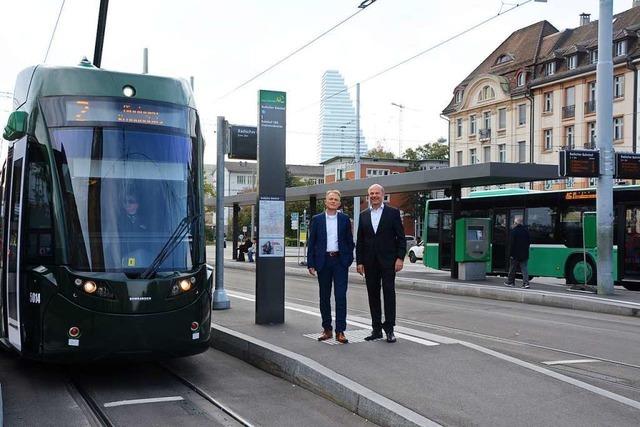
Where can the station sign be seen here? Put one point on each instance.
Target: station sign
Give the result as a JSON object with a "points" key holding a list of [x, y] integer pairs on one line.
{"points": [[243, 142], [627, 166], [579, 163]]}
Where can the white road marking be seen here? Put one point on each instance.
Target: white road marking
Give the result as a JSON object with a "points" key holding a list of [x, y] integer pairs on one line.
{"points": [[140, 401], [569, 362], [527, 365]]}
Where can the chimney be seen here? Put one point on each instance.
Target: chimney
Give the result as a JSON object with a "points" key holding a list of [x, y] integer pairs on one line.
{"points": [[585, 18]]}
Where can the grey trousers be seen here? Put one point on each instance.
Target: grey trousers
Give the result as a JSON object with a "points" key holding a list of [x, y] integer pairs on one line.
{"points": [[513, 265]]}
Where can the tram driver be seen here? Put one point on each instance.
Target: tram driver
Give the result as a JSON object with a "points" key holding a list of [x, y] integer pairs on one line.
{"points": [[132, 230]]}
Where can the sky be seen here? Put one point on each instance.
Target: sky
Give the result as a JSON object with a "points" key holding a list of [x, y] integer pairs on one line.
{"points": [[222, 44]]}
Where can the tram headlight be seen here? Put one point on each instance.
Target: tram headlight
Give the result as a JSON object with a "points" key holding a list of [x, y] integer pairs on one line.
{"points": [[89, 287], [129, 91], [185, 285], [181, 286]]}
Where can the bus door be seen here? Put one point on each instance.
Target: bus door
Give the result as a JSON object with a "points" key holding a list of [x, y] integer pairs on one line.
{"points": [[499, 241], [445, 239], [631, 251], [14, 241]]}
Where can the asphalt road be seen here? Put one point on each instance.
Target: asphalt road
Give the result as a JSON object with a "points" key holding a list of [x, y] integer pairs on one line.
{"points": [[598, 349]]}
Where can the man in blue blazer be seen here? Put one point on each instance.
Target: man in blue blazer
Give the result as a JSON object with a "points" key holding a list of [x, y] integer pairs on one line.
{"points": [[329, 254]]}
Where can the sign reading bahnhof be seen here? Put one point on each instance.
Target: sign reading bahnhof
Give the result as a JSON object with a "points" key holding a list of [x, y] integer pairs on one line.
{"points": [[627, 166], [244, 142], [579, 163]]}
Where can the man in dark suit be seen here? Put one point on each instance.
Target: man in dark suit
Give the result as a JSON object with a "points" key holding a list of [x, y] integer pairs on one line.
{"points": [[330, 253], [380, 251], [518, 253]]}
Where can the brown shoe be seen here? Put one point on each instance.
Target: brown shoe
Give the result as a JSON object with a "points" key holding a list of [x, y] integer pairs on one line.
{"points": [[326, 335], [341, 338]]}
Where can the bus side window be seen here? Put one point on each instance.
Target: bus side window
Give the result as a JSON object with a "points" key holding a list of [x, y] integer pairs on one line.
{"points": [[541, 224]]}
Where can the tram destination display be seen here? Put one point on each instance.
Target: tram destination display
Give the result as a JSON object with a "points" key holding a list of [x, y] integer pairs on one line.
{"points": [[243, 142], [627, 166], [579, 163]]}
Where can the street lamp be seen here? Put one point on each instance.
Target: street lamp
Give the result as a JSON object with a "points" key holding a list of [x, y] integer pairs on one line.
{"points": [[401, 109]]}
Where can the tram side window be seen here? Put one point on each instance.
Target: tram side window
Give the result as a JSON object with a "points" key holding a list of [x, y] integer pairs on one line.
{"points": [[541, 224], [2, 195], [432, 227], [39, 242]]}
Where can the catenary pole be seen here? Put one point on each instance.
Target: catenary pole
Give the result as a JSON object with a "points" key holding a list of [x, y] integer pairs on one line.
{"points": [[356, 164], [220, 298], [604, 120]]}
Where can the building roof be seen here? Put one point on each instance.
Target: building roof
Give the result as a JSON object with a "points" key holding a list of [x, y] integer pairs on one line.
{"points": [[306, 170], [252, 167], [338, 159], [522, 46]]}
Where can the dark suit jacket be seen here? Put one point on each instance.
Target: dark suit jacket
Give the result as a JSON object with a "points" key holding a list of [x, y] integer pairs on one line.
{"points": [[519, 245], [387, 245], [317, 244]]}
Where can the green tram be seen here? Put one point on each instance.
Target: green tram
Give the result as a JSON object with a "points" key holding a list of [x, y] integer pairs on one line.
{"points": [[563, 240], [102, 231]]}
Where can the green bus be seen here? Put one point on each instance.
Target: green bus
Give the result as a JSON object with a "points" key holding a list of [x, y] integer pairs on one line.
{"points": [[101, 225], [563, 234]]}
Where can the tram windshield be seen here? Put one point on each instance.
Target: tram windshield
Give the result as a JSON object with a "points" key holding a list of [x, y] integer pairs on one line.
{"points": [[125, 190]]}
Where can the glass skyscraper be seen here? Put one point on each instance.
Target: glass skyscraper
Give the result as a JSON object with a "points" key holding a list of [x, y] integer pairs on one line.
{"points": [[337, 135]]}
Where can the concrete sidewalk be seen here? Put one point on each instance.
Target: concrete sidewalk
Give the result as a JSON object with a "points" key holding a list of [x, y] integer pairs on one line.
{"points": [[423, 379], [544, 291]]}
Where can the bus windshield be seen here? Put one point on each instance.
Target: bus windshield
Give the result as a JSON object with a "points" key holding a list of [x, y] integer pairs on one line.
{"points": [[125, 190]]}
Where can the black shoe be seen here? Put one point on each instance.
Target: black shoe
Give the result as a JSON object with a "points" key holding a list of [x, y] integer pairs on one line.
{"points": [[375, 335], [391, 337]]}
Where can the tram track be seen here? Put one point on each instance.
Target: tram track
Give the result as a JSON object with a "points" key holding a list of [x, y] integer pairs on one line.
{"points": [[90, 407]]}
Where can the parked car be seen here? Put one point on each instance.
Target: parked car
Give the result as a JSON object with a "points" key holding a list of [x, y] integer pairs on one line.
{"points": [[411, 240], [415, 252]]}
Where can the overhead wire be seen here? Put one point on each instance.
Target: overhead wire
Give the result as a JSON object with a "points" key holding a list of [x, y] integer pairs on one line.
{"points": [[54, 31], [304, 46]]}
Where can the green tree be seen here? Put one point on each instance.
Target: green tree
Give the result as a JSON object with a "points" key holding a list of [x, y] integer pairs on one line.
{"points": [[292, 181], [438, 150], [379, 153]]}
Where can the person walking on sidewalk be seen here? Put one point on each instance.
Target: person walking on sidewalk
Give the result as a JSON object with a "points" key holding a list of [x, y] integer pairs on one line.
{"points": [[329, 254], [380, 250], [518, 253]]}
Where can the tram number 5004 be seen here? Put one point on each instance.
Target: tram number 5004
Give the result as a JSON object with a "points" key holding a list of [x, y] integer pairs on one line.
{"points": [[34, 297]]}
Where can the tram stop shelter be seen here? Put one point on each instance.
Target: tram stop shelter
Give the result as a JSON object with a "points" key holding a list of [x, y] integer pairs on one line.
{"points": [[452, 178]]}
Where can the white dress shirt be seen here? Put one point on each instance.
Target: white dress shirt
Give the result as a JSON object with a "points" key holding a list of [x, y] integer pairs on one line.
{"points": [[332, 232], [376, 214]]}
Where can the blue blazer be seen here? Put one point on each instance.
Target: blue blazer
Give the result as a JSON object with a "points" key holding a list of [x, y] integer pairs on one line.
{"points": [[317, 244]]}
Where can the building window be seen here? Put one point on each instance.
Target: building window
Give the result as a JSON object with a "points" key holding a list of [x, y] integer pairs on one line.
{"points": [[620, 48], [592, 91], [617, 128], [486, 120], [502, 118], [569, 109], [487, 153], [473, 156], [572, 62], [377, 172], [549, 68], [618, 86], [591, 135], [548, 139], [458, 128], [522, 151], [458, 96], [522, 114], [502, 153], [569, 137], [521, 79], [472, 125], [459, 158], [569, 182], [503, 59], [593, 182], [486, 93], [593, 56], [548, 102]]}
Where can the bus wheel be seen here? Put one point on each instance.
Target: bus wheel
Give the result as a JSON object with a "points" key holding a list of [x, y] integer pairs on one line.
{"points": [[412, 257], [577, 269]]}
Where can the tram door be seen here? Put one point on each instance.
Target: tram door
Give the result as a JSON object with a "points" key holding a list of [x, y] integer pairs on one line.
{"points": [[14, 241], [631, 252]]}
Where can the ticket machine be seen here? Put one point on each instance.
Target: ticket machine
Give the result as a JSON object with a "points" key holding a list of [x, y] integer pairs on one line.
{"points": [[472, 247]]}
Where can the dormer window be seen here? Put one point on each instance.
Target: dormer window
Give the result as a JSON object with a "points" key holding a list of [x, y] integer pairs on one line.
{"points": [[550, 68], [593, 56], [620, 48], [486, 93], [572, 62], [458, 96], [521, 79], [503, 59]]}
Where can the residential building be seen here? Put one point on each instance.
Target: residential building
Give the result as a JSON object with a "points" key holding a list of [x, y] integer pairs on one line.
{"points": [[337, 133]]}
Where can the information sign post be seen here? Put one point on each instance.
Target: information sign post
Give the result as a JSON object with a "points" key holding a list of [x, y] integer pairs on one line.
{"points": [[271, 199]]}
